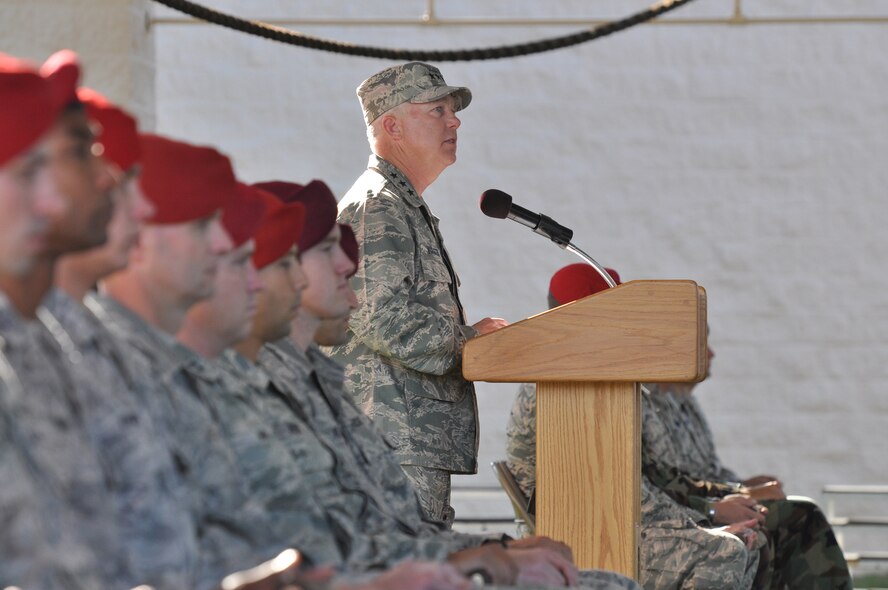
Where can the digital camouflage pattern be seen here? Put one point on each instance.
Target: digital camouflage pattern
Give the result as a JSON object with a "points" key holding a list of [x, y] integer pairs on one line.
{"points": [[411, 82], [804, 547], [232, 529], [287, 469], [151, 498], [388, 520], [372, 451], [604, 580], [433, 489], [679, 551], [403, 355], [521, 438], [40, 544], [660, 456], [59, 525], [404, 532], [693, 436], [675, 552]]}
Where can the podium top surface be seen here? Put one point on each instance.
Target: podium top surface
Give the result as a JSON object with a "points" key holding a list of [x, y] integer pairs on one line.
{"points": [[638, 331]]}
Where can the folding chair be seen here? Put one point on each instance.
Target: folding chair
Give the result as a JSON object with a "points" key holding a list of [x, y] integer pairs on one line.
{"points": [[513, 490]]}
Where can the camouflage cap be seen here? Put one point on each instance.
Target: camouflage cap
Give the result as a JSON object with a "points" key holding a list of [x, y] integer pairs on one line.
{"points": [[411, 82]]}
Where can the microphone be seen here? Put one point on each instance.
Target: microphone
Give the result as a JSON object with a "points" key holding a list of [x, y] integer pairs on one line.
{"points": [[498, 204], [495, 203]]}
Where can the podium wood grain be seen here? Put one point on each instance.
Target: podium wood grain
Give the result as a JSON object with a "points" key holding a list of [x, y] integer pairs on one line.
{"points": [[588, 471], [638, 331], [587, 358]]}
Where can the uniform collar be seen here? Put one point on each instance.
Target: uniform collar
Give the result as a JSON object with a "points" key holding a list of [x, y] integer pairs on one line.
{"points": [[241, 365], [394, 175], [15, 331]]}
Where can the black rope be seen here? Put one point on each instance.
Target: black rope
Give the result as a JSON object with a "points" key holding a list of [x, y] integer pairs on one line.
{"points": [[282, 35]]}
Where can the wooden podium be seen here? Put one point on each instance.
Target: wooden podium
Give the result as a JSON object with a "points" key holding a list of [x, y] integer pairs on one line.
{"points": [[587, 359]]}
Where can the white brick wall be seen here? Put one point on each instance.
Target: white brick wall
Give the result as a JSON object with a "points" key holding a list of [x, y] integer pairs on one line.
{"points": [[751, 159], [110, 36]]}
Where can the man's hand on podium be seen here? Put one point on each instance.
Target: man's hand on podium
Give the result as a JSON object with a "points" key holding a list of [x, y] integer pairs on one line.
{"points": [[488, 325]]}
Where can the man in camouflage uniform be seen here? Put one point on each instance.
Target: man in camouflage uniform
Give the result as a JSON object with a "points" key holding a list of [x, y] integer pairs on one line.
{"points": [[148, 490], [263, 232], [677, 548], [675, 551], [171, 268], [60, 528], [287, 470], [403, 357], [805, 551], [353, 490]]}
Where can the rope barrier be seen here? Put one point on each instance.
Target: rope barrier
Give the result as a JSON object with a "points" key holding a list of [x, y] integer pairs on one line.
{"points": [[289, 37]]}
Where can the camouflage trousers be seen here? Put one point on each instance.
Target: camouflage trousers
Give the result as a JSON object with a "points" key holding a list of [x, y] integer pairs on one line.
{"points": [[806, 554], [695, 558], [604, 580], [589, 579], [433, 489]]}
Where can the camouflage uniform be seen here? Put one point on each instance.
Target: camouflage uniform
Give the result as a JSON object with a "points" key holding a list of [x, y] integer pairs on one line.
{"points": [[660, 458], [674, 551], [287, 489], [403, 356], [691, 432], [291, 472], [521, 438], [805, 551], [380, 505], [368, 464], [59, 525], [232, 530], [147, 486]]}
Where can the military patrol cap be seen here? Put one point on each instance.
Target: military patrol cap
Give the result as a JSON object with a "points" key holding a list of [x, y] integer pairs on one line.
{"points": [[414, 82]]}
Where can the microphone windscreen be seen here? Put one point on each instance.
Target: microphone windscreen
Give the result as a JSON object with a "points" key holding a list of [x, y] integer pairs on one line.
{"points": [[495, 203]]}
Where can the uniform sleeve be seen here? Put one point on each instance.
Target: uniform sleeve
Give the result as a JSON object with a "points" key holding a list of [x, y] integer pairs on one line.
{"points": [[384, 550], [404, 311], [658, 509], [681, 487]]}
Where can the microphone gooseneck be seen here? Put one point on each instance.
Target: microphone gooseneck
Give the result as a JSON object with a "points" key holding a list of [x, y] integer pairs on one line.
{"points": [[498, 204]]}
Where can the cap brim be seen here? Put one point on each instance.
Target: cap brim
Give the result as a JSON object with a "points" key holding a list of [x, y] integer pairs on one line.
{"points": [[462, 95]]}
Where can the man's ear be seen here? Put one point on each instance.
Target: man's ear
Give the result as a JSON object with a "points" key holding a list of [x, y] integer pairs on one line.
{"points": [[136, 254], [392, 126]]}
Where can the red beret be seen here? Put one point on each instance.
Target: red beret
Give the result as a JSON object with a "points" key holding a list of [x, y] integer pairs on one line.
{"points": [[62, 71], [242, 217], [349, 244], [279, 231], [184, 182], [320, 207], [576, 281], [119, 136], [31, 100]]}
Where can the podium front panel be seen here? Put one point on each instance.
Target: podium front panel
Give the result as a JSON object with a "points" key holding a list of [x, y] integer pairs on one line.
{"points": [[589, 471]]}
